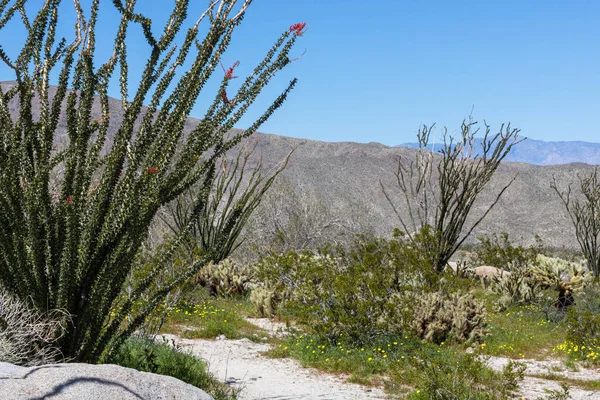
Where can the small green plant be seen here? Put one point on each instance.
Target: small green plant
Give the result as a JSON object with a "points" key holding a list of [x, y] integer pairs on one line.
{"points": [[558, 394], [167, 359], [464, 376]]}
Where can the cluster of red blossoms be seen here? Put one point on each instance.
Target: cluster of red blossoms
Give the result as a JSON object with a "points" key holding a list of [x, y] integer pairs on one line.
{"points": [[229, 72], [228, 75], [152, 170], [298, 28]]}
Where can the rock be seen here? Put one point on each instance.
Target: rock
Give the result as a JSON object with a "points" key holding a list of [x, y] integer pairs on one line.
{"points": [[91, 382], [486, 271], [9, 369], [452, 265], [221, 337]]}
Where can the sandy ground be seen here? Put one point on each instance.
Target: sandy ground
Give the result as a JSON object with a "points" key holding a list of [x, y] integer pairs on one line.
{"points": [[534, 388], [240, 364]]}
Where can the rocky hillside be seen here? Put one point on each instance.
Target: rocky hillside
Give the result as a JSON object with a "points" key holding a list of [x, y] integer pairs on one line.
{"points": [[344, 178]]}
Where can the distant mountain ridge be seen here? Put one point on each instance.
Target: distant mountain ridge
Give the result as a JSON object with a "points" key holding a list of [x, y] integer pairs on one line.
{"points": [[540, 152]]}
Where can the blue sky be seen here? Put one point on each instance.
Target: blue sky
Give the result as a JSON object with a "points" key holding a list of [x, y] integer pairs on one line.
{"points": [[374, 71]]}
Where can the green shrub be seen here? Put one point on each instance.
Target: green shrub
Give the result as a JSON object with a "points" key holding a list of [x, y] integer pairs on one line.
{"points": [[464, 376], [362, 292], [499, 252], [335, 292], [583, 321], [438, 317], [164, 359]]}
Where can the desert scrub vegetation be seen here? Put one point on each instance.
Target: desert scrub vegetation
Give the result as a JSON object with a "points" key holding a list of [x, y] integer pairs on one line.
{"points": [[582, 341], [498, 251], [75, 211], [376, 287]]}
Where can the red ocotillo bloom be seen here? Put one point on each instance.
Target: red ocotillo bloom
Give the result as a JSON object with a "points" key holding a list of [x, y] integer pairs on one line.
{"points": [[229, 71], [298, 28]]}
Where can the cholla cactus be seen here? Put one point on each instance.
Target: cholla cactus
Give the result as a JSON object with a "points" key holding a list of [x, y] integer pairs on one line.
{"points": [[266, 300], [459, 316], [518, 286], [72, 248], [565, 277], [225, 279]]}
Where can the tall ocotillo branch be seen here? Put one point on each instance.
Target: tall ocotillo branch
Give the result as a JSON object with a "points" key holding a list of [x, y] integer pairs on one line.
{"points": [[74, 248]]}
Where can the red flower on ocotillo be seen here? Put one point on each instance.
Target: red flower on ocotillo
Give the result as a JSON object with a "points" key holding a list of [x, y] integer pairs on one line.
{"points": [[229, 71], [298, 28]]}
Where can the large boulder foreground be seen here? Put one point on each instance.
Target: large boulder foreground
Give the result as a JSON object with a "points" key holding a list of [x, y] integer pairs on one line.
{"points": [[85, 381]]}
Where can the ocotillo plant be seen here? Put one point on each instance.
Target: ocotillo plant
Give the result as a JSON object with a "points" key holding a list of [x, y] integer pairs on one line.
{"points": [[439, 192], [72, 248], [584, 211]]}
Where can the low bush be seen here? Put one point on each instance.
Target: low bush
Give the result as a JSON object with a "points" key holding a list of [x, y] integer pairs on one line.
{"points": [[583, 326], [371, 289], [164, 359], [563, 276], [462, 376], [499, 252], [517, 287]]}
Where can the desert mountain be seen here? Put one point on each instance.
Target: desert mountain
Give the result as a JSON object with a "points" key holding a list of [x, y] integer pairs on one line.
{"points": [[344, 178]]}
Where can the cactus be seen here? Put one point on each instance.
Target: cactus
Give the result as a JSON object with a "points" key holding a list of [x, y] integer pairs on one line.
{"points": [[225, 279], [565, 277], [438, 317], [267, 300], [517, 287]]}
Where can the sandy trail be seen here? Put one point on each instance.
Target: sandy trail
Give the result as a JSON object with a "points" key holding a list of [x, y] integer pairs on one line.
{"points": [[240, 364], [535, 388]]}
